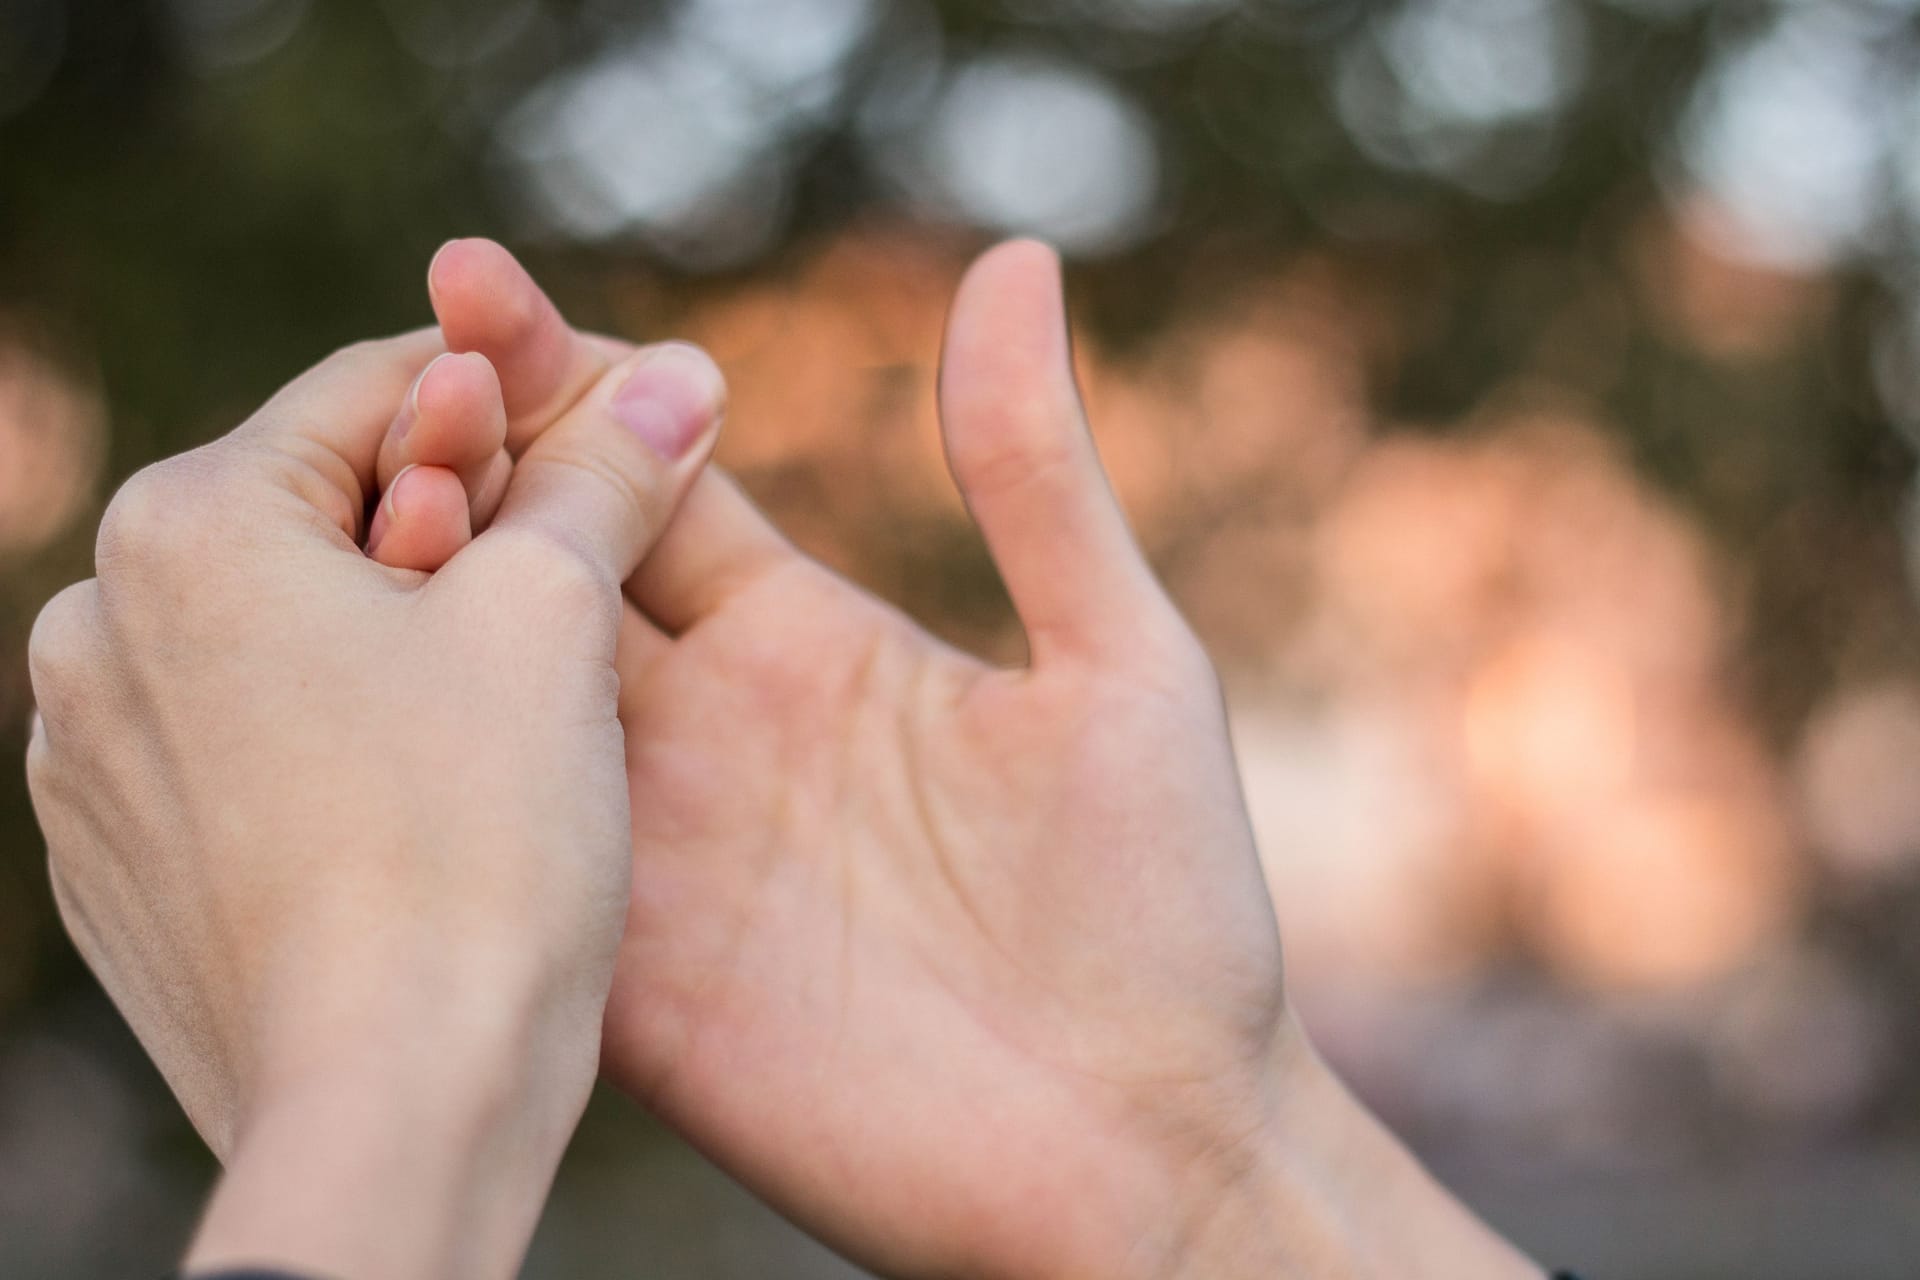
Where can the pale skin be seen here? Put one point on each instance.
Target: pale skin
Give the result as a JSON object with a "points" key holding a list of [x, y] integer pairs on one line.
{"points": [[970, 971], [349, 845]]}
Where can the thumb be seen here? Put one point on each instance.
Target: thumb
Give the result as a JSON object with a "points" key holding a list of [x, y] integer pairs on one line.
{"points": [[604, 479]]}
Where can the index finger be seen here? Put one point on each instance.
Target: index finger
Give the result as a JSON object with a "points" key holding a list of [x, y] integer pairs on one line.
{"points": [[718, 541], [486, 302]]}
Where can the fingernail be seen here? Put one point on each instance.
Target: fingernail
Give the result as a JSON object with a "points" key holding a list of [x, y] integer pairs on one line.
{"points": [[378, 529], [671, 399], [435, 261], [392, 504], [388, 510], [410, 407]]}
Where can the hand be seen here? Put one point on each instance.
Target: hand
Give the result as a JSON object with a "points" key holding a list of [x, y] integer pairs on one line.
{"points": [[349, 845], [972, 972]]}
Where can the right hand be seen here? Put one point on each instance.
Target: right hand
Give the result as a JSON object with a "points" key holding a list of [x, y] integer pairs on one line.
{"points": [[970, 971]]}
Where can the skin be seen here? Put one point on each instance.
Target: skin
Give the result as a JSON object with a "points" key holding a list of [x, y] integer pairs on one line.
{"points": [[972, 972], [453, 415], [348, 844]]}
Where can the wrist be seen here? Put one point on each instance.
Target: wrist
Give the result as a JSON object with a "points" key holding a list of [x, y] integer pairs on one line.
{"points": [[399, 1147], [1322, 1190]]}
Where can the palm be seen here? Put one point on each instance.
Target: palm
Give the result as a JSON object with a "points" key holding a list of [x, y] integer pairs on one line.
{"points": [[899, 885], [883, 958]]}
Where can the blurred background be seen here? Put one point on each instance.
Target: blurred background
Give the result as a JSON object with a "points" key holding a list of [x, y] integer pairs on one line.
{"points": [[1519, 395]]}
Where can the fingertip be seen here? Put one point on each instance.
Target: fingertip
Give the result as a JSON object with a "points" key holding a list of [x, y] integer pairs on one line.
{"points": [[458, 410], [1006, 388], [1008, 325], [482, 296], [1024, 254], [462, 259], [422, 520], [486, 301], [1023, 272]]}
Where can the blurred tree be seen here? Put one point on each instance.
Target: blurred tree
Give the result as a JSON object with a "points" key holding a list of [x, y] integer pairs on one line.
{"points": [[199, 196]]}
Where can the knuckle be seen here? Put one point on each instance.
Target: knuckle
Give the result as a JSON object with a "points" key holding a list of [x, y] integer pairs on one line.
{"points": [[635, 490], [56, 796], [550, 565], [170, 515], [1026, 452], [131, 522], [149, 516], [55, 646], [39, 766]]}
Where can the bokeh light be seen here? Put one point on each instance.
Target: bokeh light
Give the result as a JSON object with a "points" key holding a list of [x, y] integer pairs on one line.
{"points": [[52, 443], [222, 35], [1465, 89], [1021, 145], [1859, 773], [1520, 397], [1783, 138]]}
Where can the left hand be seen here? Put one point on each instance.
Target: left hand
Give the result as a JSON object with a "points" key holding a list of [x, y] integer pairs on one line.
{"points": [[349, 845]]}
